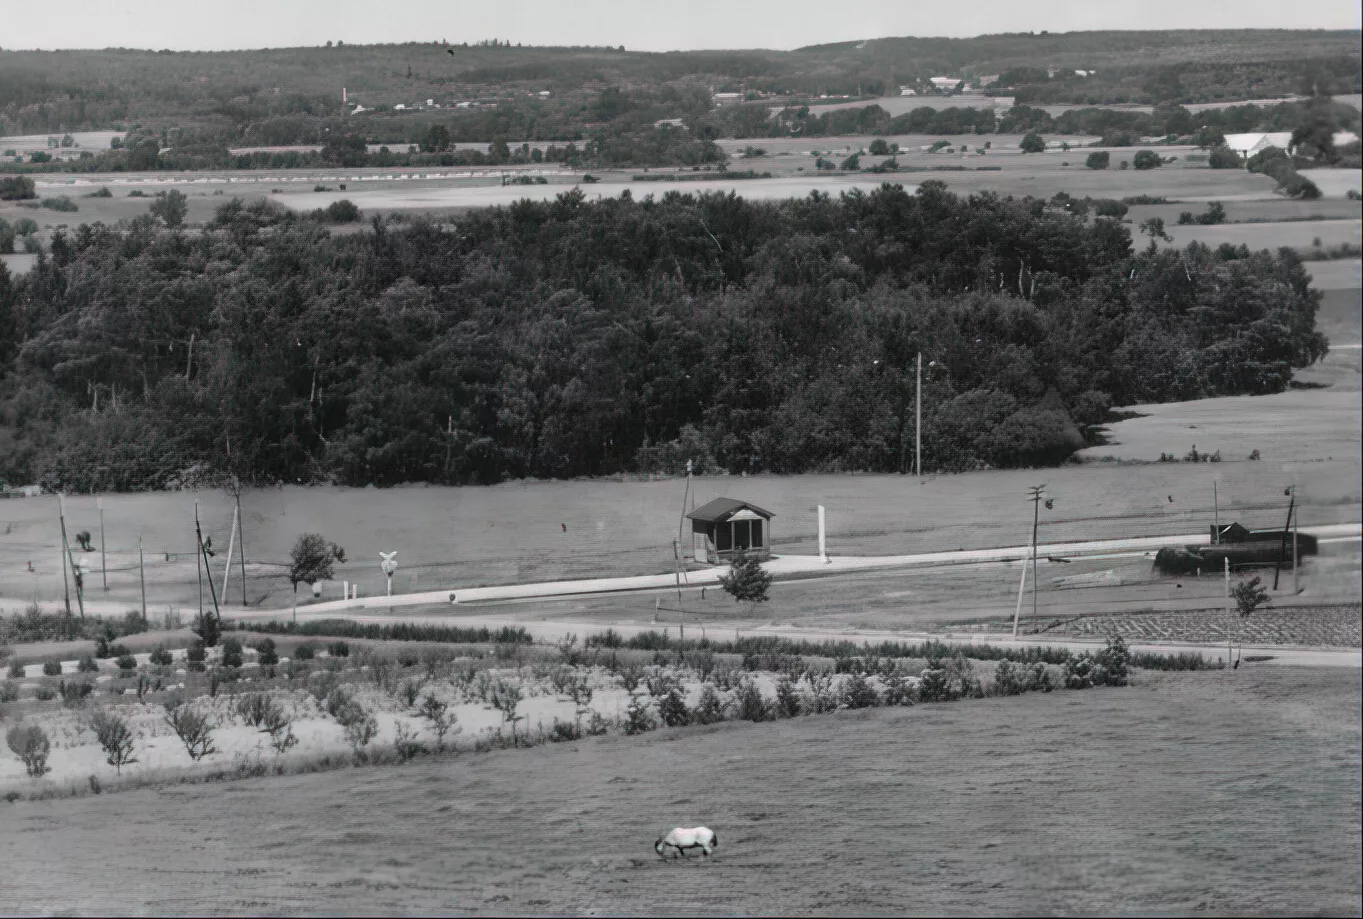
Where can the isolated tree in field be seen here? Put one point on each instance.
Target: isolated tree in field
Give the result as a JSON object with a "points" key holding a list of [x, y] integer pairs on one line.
{"points": [[1249, 596], [441, 719], [879, 147], [1223, 157], [194, 730], [746, 580], [1146, 159], [31, 745], [311, 561], [1032, 142], [1098, 159], [115, 738], [171, 208], [1154, 227]]}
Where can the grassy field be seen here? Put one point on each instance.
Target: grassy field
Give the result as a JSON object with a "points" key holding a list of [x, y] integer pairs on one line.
{"points": [[1223, 792], [515, 532]]}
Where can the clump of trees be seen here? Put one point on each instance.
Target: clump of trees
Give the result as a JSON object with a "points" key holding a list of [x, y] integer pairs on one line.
{"points": [[1277, 165], [572, 338]]}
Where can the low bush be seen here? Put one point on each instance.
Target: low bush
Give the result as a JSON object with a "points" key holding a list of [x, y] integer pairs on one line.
{"points": [[231, 653], [338, 649], [74, 693], [749, 704], [562, 731], [102, 192], [161, 657], [304, 653], [52, 668], [16, 670], [267, 654], [441, 720], [44, 693], [30, 744], [1099, 159], [857, 692], [194, 729], [638, 716], [16, 188], [1015, 679], [87, 665], [9, 692], [127, 663], [709, 709], [60, 203], [405, 744]]}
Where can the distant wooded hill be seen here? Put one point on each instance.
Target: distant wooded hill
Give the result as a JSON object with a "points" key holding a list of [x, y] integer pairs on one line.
{"points": [[245, 91]]}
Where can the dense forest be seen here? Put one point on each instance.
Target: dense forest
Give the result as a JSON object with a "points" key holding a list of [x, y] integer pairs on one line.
{"points": [[294, 95], [570, 338]]}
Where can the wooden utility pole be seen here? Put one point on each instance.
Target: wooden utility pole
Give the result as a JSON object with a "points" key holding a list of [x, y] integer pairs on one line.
{"points": [[66, 581], [1036, 519], [1295, 561], [1216, 514], [142, 579], [198, 562], [241, 525], [189, 361], [103, 557], [918, 422], [227, 566], [203, 553], [1287, 525], [70, 560]]}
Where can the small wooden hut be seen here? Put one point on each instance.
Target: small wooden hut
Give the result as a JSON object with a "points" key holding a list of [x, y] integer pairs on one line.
{"points": [[725, 526]]}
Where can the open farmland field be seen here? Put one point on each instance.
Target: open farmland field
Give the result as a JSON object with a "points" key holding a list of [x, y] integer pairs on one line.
{"points": [[1296, 234], [1035, 804]]}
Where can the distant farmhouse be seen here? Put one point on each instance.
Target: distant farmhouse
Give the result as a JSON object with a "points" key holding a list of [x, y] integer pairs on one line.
{"points": [[907, 91], [1249, 144], [945, 84]]}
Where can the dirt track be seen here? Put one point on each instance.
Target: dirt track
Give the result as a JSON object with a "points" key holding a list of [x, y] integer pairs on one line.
{"points": [[1034, 804]]}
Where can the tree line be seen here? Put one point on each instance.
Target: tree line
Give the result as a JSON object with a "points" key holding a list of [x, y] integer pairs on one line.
{"points": [[570, 338]]}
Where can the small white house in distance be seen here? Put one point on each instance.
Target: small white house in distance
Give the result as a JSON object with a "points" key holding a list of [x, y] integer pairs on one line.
{"points": [[907, 91], [399, 107], [670, 122], [544, 94], [946, 84], [1249, 144], [727, 97]]}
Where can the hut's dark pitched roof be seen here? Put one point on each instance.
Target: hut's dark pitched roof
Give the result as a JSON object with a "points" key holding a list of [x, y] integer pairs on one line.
{"points": [[723, 508]]}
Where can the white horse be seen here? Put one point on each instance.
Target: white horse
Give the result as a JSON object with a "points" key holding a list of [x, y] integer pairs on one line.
{"points": [[681, 840]]}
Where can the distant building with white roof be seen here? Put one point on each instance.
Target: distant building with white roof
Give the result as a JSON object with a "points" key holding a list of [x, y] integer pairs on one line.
{"points": [[1255, 141], [907, 91], [946, 84]]}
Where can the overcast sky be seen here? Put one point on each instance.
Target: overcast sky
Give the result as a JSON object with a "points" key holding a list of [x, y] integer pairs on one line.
{"points": [[639, 24]]}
